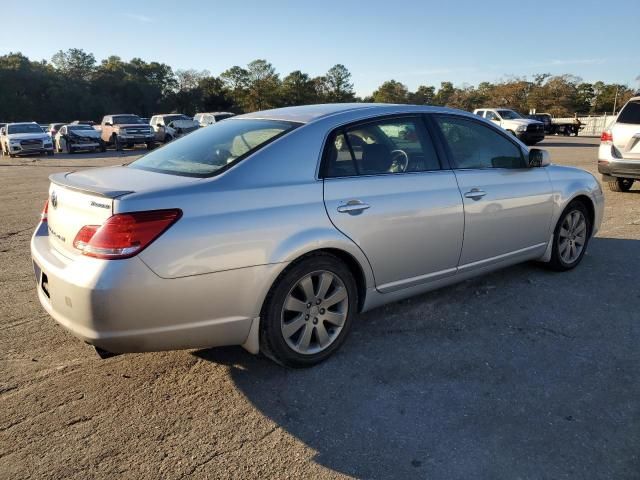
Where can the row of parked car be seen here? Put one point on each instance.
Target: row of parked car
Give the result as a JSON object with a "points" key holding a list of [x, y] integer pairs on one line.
{"points": [[118, 131]]}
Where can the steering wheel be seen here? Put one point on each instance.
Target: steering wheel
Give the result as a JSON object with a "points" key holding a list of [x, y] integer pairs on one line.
{"points": [[399, 161]]}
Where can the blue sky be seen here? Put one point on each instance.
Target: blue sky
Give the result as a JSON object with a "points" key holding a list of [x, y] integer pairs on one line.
{"points": [[412, 41]]}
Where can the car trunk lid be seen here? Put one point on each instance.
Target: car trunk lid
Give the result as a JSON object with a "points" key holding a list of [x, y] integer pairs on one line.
{"points": [[84, 198]]}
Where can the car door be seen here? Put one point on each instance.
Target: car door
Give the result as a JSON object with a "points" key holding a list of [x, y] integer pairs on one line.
{"points": [[507, 204], [494, 117], [385, 189]]}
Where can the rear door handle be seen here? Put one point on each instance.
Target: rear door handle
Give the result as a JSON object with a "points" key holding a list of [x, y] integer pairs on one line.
{"points": [[475, 194], [353, 207]]}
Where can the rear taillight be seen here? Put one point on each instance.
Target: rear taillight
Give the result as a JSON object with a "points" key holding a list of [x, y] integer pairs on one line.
{"points": [[606, 137], [45, 211], [125, 234]]}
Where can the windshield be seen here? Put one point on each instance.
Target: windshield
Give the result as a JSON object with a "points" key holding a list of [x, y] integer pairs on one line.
{"points": [[209, 150], [126, 119], [76, 128], [24, 128], [170, 118], [508, 114]]}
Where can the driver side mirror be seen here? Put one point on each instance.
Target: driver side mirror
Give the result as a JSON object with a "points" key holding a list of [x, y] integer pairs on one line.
{"points": [[539, 158]]}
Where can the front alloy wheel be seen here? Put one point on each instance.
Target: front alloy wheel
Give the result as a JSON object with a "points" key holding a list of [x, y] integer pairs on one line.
{"points": [[571, 236]]}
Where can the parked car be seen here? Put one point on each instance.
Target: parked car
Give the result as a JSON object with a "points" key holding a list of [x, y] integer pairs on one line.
{"points": [[619, 153], [53, 128], [272, 230], [171, 126], [557, 127], [25, 137], [126, 130], [209, 118], [75, 137], [528, 131]]}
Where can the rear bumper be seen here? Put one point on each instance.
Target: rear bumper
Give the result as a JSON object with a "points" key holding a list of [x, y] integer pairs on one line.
{"points": [[610, 166], [122, 306]]}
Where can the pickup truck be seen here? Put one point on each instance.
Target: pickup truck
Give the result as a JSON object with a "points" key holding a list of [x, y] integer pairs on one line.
{"points": [[527, 130], [557, 127], [126, 130]]}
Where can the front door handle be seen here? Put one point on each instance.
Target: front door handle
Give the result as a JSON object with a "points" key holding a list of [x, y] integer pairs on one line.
{"points": [[353, 207], [475, 194]]}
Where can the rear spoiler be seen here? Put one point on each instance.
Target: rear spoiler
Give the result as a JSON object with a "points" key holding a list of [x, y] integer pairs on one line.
{"points": [[62, 180]]}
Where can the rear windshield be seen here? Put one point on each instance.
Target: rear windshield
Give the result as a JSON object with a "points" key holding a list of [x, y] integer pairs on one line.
{"points": [[630, 113], [209, 151]]}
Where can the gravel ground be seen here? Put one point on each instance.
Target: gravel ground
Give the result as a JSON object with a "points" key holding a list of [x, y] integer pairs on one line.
{"points": [[523, 373]]}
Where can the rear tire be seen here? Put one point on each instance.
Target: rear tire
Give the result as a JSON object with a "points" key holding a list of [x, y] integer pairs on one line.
{"points": [[621, 184], [315, 318], [570, 237]]}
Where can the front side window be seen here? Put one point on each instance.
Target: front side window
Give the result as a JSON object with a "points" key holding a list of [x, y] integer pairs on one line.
{"points": [[630, 113], [208, 151], [473, 145], [491, 116], [386, 146]]}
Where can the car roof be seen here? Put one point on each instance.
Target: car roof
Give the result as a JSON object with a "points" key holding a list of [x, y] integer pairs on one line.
{"points": [[310, 113], [22, 123]]}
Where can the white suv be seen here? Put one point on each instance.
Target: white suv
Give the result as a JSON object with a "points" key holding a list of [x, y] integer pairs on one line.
{"points": [[619, 154], [25, 137]]}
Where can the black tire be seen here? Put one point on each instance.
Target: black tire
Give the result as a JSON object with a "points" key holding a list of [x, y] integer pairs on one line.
{"points": [[621, 184], [167, 138], [557, 263], [69, 148], [50, 153], [102, 147], [117, 143], [150, 145], [272, 341]]}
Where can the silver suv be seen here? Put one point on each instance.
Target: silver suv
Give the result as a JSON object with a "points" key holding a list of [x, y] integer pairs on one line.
{"points": [[619, 154]]}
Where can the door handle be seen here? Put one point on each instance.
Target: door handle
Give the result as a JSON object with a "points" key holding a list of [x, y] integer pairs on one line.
{"points": [[475, 194], [353, 207]]}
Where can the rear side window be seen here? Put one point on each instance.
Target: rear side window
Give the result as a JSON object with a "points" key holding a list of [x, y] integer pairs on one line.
{"points": [[473, 145], [209, 151], [386, 146], [630, 113]]}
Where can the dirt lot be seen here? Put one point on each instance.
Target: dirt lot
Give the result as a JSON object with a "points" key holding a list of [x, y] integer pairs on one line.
{"points": [[520, 374]]}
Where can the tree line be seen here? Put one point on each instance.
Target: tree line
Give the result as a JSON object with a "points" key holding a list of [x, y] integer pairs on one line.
{"points": [[74, 85]]}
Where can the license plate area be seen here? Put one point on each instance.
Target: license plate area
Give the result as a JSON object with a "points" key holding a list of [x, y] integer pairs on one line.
{"points": [[41, 279]]}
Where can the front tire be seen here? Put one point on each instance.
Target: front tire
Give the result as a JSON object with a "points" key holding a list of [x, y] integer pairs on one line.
{"points": [[621, 184], [570, 237], [307, 314], [117, 143]]}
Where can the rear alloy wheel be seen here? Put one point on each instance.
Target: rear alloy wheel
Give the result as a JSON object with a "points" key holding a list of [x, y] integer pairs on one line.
{"points": [[570, 237], [308, 313], [621, 184]]}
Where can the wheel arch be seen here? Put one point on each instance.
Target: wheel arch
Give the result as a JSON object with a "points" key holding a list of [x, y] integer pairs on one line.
{"points": [[589, 205]]}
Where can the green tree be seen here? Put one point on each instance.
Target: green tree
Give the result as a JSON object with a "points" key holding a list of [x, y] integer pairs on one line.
{"points": [[424, 95], [298, 89], [391, 91], [336, 85], [75, 63]]}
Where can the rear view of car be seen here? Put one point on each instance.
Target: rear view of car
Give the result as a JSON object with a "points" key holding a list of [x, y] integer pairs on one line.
{"points": [[619, 154]]}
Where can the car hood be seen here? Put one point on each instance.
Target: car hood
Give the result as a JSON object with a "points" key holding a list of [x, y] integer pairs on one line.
{"points": [[28, 136], [86, 133], [523, 121]]}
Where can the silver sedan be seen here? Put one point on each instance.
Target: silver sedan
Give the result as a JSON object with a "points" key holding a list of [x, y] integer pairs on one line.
{"points": [[272, 230]]}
